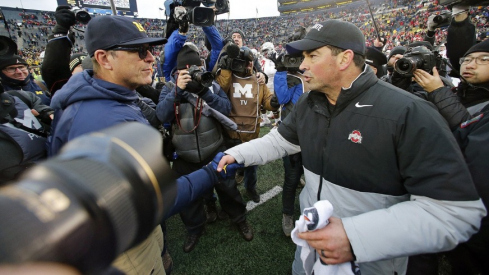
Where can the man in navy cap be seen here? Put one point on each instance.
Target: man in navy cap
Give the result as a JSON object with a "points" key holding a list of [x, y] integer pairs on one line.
{"points": [[370, 149]]}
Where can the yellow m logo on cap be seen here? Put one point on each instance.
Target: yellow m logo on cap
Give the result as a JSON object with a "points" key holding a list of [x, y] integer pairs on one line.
{"points": [[139, 26]]}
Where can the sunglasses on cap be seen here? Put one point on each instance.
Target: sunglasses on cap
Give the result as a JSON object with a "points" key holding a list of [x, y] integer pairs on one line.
{"points": [[142, 50]]}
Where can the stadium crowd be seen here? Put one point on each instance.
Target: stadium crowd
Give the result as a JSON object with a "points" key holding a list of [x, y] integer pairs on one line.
{"points": [[399, 22], [403, 100]]}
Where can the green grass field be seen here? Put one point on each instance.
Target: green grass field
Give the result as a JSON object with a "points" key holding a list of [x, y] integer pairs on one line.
{"points": [[222, 250]]}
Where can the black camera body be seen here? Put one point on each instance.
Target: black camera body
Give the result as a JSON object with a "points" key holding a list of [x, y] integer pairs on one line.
{"points": [[240, 63], [197, 15], [443, 19], [418, 57], [202, 77]]}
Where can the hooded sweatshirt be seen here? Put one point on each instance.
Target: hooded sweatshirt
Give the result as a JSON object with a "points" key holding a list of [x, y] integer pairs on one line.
{"points": [[86, 104]]}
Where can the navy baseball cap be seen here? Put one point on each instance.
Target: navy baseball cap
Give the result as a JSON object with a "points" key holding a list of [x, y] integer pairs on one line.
{"points": [[105, 32], [333, 32]]}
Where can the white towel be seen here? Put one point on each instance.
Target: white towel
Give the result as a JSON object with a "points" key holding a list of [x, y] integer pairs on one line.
{"points": [[313, 218]]}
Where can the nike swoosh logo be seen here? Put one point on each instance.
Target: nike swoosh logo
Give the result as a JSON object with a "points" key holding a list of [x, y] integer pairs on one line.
{"points": [[360, 106]]}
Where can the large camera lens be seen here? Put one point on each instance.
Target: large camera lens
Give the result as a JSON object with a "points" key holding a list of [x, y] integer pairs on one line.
{"points": [[103, 194], [82, 16]]}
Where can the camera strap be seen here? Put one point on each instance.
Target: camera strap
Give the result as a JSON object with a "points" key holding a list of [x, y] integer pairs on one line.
{"points": [[197, 113]]}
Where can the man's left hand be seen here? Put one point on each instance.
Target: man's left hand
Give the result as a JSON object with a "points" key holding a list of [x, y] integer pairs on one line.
{"points": [[330, 241], [428, 82], [261, 78]]}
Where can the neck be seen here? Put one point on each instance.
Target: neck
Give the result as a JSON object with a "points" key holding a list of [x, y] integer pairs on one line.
{"points": [[345, 82]]}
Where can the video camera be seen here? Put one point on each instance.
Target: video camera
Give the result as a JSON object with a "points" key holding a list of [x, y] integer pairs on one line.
{"points": [[240, 58], [293, 62], [419, 57], [195, 14], [105, 193], [201, 76]]}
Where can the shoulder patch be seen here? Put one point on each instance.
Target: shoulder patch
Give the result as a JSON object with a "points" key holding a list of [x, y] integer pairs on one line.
{"points": [[472, 120]]}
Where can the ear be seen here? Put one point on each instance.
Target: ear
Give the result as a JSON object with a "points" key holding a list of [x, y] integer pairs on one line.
{"points": [[345, 59], [104, 59]]}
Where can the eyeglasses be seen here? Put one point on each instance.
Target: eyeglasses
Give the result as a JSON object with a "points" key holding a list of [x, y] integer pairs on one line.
{"points": [[12, 70], [481, 60], [142, 50]]}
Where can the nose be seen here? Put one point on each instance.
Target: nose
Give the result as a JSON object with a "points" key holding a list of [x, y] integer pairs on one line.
{"points": [[149, 57]]}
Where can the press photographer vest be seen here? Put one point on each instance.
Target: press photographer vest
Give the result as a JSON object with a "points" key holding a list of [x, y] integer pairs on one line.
{"points": [[244, 97], [33, 146], [197, 145]]}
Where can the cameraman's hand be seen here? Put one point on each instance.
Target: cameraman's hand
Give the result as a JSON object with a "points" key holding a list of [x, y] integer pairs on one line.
{"points": [[180, 17], [274, 102], [225, 63], [379, 44], [261, 78], [278, 60], [183, 79], [431, 23], [427, 81], [65, 18]]}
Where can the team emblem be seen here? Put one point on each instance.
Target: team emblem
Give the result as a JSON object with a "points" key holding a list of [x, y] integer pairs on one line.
{"points": [[355, 136]]}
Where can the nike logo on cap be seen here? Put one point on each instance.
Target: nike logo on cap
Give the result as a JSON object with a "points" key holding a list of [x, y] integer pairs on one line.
{"points": [[361, 106]]}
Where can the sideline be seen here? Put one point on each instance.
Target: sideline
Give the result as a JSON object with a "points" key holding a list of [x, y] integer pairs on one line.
{"points": [[264, 197]]}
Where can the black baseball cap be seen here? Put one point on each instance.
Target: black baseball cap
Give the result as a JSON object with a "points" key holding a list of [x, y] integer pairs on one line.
{"points": [[105, 32], [333, 32]]}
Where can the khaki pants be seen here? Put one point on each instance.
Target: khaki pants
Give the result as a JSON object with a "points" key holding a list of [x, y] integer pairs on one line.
{"points": [[144, 258]]}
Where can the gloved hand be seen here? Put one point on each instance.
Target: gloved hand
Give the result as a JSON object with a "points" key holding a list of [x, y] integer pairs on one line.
{"points": [[180, 17], [278, 60], [274, 102], [225, 62], [65, 18], [431, 23], [229, 170]]}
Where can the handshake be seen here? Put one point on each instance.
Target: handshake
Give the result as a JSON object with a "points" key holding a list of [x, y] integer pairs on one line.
{"points": [[227, 171]]}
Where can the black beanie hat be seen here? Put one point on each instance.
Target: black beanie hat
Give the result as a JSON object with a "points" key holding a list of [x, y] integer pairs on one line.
{"points": [[479, 47], [240, 33], [76, 60], [397, 50], [11, 60], [187, 57]]}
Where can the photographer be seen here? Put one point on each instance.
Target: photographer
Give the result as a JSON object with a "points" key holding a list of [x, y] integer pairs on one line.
{"points": [[289, 86], [24, 125], [247, 94], [470, 127], [55, 68], [418, 55], [197, 136], [460, 34], [15, 73], [238, 37]]}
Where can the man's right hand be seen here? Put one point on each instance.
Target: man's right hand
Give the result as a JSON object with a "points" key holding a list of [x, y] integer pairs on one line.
{"points": [[183, 79], [225, 160]]}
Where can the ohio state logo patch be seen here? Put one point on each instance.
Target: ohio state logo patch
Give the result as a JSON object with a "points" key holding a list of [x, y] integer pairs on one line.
{"points": [[355, 136]]}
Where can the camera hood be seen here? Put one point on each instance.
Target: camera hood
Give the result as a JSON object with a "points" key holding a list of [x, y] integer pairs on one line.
{"points": [[7, 46]]}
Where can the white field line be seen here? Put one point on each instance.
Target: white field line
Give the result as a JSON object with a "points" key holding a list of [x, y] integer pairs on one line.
{"points": [[264, 197]]}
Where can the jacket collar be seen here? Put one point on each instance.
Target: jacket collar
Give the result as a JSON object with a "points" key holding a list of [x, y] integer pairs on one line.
{"points": [[363, 82]]}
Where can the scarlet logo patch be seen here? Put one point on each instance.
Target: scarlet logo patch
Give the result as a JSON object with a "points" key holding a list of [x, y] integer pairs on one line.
{"points": [[355, 136]]}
